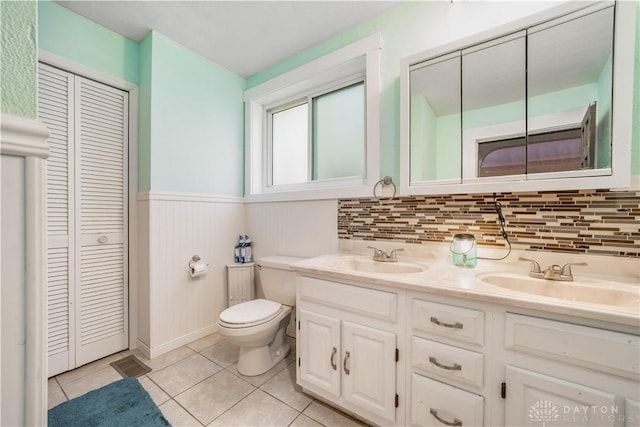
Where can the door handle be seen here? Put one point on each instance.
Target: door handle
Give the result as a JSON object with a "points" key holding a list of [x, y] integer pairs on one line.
{"points": [[333, 359], [344, 364], [103, 239]]}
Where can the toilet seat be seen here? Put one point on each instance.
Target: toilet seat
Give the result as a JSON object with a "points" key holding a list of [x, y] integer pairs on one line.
{"points": [[249, 313]]}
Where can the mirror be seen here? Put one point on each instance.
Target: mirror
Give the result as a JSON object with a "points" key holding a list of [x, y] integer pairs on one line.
{"points": [[569, 94], [435, 131], [494, 107], [532, 105]]}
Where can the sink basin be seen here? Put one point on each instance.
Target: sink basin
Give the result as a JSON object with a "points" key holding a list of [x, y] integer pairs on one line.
{"points": [[365, 265], [584, 290]]}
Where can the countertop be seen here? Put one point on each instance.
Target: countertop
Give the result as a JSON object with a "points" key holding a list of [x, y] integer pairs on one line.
{"points": [[442, 278]]}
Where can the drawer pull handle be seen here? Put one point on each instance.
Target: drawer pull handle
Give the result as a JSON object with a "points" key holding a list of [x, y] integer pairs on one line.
{"points": [[456, 325], [454, 367], [333, 359], [456, 422], [344, 364]]}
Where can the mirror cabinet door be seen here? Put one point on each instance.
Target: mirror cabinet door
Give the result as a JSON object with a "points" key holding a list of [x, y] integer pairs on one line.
{"points": [[494, 108], [434, 122], [535, 104], [570, 85]]}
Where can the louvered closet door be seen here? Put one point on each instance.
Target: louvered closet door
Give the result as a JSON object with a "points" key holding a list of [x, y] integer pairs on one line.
{"points": [[101, 135], [55, 110], [86, 218]]}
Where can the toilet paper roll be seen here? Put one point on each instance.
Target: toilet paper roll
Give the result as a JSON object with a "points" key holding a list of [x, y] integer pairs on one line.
{"points": [[198, 268]]}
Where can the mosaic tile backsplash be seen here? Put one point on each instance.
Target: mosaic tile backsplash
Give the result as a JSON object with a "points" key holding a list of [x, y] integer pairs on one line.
{"points": [[583, 221]]}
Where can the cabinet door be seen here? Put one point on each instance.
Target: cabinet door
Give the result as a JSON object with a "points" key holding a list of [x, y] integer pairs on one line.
{"points": [[533, 398], [369, 369], [319, 352]]}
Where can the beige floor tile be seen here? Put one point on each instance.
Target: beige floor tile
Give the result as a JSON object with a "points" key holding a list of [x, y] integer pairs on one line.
{"points": [[283, 386], [258, 380], [224, 353], [177, 415], [157, 394], [88, 369], [206, 342], [87, 383], [54, 393], [257, 409], [180, 376], [304, 421], [167, 359], [328, 416], [213, 396]]}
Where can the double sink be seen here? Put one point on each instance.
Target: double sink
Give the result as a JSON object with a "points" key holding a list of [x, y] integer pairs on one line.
{"points": [[583, 289]]}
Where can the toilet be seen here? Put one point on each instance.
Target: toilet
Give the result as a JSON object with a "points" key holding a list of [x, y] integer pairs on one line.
{"points": [[259, 326]]}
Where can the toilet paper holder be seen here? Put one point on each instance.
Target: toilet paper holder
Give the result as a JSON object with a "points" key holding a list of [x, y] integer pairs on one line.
{"points": [[196, 267]]}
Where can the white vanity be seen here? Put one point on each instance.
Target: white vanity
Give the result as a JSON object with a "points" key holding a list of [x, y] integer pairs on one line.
{"points": [[439, 346]]}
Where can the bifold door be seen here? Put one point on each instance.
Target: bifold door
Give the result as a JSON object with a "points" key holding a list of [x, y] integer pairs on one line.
{"points": [[87, 212]]}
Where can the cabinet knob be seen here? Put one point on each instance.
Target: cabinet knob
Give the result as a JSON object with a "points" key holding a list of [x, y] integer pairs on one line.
{"points": [[103, 239]]}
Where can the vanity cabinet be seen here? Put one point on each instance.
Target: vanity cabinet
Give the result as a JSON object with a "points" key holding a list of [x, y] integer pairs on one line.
{"points": [[569, 374], [447, 364], [394, 355], [347, 347]]}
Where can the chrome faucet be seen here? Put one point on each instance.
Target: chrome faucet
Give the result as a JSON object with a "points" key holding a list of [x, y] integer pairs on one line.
{"points": [[382, 256], [553, 272]]}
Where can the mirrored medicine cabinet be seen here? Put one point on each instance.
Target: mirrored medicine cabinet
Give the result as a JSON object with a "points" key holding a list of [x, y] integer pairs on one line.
{"points": [[545, 106]]}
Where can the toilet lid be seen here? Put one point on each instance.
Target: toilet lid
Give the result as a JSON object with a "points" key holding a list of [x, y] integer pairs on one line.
{"points": [[250, 311]]}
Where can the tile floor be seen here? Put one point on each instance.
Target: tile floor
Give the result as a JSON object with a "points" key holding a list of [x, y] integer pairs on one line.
{"points": [[198, 385]]}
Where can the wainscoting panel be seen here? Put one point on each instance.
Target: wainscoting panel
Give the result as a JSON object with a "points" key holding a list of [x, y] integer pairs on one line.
{"points": [[304, 229], [182, 308]]}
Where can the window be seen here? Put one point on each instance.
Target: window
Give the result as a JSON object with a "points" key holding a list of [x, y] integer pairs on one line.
{"points": [[314, 132], [335, 148]]}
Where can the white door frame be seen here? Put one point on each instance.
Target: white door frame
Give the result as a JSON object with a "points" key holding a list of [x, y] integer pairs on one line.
{"points": [[102, 77]]}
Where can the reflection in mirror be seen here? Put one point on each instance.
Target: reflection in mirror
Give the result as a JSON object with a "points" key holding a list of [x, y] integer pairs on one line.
{"points": [[570, 93], [494, 107], [435, 137]]}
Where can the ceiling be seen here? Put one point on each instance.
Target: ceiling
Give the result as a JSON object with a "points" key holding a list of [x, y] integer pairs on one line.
{"points": [[245, 37]]}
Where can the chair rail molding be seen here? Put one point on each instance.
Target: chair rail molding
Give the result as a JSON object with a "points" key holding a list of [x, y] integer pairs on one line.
{"points": [[26, 137]]}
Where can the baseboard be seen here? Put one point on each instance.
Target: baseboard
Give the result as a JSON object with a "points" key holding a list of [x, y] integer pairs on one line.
{"points": [[179, 342], [144, 349]]}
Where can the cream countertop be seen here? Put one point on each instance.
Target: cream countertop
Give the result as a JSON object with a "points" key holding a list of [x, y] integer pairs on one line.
{"points": [[443, 278]]}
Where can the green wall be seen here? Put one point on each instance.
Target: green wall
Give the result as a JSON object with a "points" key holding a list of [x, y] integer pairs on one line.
{"points": [[18, 58], [73, 37], [413, 27], [195, 119], [190, 116]]}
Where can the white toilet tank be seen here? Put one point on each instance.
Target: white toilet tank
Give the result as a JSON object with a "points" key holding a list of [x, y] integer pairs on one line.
{"points": [[275, 280]]}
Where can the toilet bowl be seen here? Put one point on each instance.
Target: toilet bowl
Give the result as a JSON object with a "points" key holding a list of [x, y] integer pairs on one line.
{"points": [[258, 326]]}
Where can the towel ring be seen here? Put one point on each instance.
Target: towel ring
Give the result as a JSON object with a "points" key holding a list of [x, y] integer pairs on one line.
{"points": [[387, 180]]}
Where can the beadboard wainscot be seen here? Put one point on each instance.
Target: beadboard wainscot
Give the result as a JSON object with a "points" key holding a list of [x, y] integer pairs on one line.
{"points": [[175, 309]]}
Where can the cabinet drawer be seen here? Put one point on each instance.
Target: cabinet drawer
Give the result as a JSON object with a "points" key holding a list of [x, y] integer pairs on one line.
{"points": [[370, 302], [607, 351], [459, 323], [446, 361], [436, 404]]}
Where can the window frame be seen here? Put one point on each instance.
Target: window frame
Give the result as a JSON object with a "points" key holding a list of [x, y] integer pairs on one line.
{"points": [[352, 64]]}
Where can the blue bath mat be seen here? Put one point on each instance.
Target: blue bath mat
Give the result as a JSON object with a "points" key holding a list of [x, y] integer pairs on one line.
{"points": [[122, 403]]}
